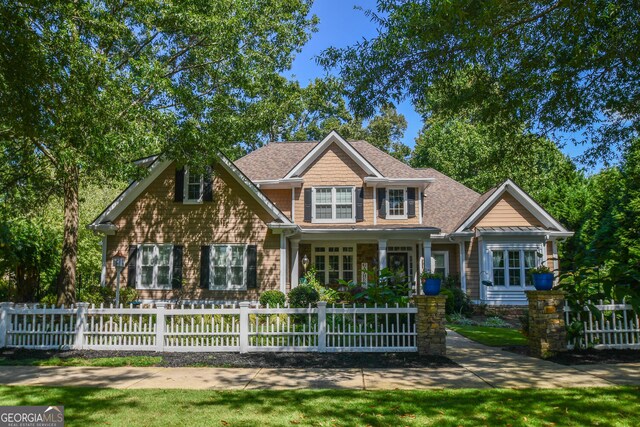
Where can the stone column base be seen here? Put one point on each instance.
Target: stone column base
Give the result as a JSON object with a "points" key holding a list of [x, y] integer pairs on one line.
{"points": [[547, 331], [432, 337]]}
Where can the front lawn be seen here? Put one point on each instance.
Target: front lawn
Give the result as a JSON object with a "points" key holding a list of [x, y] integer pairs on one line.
{"points": [[619, 406], [110, 362], [494, 337]]}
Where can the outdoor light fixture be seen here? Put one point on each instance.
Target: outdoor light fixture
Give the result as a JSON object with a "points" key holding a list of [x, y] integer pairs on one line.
{"points": [[305, 263], [118, 263]]}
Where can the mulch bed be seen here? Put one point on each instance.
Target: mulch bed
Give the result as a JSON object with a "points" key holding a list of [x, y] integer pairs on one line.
{"points": [[586, 357], [255, 360]]}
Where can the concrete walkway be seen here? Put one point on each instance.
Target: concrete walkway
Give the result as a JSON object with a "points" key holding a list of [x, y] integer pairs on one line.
{"points": [[481, 367]]}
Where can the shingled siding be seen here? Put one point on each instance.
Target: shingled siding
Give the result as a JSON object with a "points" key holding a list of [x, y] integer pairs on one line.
{"points": [[233, 217], [280, 198], [507, 211], [334, 167], [472, 269]]}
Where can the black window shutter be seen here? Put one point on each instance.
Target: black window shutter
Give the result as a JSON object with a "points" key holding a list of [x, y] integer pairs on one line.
{"points": [[179, 190], [207, 190], [204, 266], [131, 266], [252, 267], [411, 202], [176, 280], [307, 205], [382, 194], [359, 204]]}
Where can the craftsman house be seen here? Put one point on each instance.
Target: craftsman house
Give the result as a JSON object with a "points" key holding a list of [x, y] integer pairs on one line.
{"points": [[343, 206]]}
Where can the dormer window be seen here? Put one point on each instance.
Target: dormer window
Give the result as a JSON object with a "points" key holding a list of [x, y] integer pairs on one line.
{"points": [[397, 203], [333, 204], [193, 187]]}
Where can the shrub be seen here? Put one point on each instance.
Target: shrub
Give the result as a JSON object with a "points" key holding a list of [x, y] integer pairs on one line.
{"points": [[272, 298], [450, 305], [495, 322], [460, 319], [524, 324], [303, 295], [457, 299]]}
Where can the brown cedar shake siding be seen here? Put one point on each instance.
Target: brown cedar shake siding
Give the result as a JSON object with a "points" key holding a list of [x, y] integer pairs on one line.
{"points": [[234, 216]]}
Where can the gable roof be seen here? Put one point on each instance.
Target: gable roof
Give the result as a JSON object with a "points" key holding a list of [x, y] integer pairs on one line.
{"points": [[488, 200], [159, 165], [332, 138]]}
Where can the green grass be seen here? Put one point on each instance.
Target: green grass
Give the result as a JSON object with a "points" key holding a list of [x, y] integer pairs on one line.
{"points": [[111, 362], [495, 337], [616, 406]]}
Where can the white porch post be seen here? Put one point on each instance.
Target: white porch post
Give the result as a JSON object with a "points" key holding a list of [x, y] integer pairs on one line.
{"points": [[382, 253], [463, 267], [426, 248], [295, 275], [283, 263]]}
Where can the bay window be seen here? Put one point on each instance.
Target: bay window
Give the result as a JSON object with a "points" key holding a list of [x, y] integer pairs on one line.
{"points": [[510, 265]]}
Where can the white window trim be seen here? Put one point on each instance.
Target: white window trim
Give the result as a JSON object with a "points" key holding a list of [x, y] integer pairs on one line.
{"points": [[185, 198], [340, 254], [505, 248], [228, 287], [154, 281], [446, 261], [333, 219], [389, 216]]}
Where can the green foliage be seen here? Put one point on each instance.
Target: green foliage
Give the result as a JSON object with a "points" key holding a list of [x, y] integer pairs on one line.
{"points": [[95, 294], [541, 269], [495, 322], [549, 65], [273, 298], [457, 299], [460, 319], [303, 296], [387, 287]]}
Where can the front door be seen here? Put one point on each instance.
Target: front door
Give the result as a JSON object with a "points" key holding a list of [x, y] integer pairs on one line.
{"points": [[398, 261]]}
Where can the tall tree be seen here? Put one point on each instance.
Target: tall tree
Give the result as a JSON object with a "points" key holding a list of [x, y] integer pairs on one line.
{"points": [[559, 64], [90, 84]]}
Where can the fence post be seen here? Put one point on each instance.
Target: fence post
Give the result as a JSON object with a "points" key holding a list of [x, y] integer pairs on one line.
{"points": [[244, 327], [322, 326], [547, 331], [5, 322], [432, 336], [81, 321], [160, 325]]}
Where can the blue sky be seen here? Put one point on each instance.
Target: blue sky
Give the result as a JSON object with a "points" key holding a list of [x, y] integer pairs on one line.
{"points": [[342, 25]]}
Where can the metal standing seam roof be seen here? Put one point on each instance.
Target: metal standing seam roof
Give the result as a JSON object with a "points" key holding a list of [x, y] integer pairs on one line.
{"points": [[446, 203]]}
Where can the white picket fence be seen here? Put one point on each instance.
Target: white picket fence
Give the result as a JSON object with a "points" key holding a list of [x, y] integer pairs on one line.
{"points": [[237, 327], [617, 326]]}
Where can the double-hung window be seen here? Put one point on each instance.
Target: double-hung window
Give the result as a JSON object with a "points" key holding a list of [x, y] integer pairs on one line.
{"points": [[510, 265], [333, 204], [228, 267], [156, 265], [193, 187], [440, 263], [397, 203]]}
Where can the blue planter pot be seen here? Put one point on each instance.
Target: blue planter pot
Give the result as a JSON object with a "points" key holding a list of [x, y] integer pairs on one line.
{"points": [[543, 281], [432, 286]]}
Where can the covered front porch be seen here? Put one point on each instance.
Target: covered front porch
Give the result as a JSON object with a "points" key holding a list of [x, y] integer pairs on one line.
{"points": [[350, 254]]}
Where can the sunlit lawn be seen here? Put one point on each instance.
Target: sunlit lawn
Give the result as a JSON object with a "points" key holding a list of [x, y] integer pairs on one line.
{"points": [[618, 406], [111, 362], [495, 337]]}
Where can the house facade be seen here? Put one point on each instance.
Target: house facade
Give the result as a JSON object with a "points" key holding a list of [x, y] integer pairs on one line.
{"points": [[343, 207]]}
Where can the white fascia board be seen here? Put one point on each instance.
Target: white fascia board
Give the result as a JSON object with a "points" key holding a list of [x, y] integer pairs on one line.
{"points": [[137, 187], [408, 182], [524, 233], [248, 185], [522, 197], [105, 228], [427, 230], [279, 183], [333, 136], [129, 195]]}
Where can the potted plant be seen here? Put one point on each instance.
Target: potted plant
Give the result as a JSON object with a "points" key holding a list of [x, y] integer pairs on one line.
{"points": [[542, 278], [431, 283]]}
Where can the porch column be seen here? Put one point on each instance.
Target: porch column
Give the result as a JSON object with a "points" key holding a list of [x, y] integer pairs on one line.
{"points": [[426, 247], [382, 253], [295, 275]]}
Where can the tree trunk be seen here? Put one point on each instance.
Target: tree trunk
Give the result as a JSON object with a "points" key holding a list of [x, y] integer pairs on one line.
{"points": [[67, 276]]}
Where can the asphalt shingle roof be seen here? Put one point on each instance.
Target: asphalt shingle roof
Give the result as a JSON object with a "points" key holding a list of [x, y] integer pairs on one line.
{"points": [[447, 202]]}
